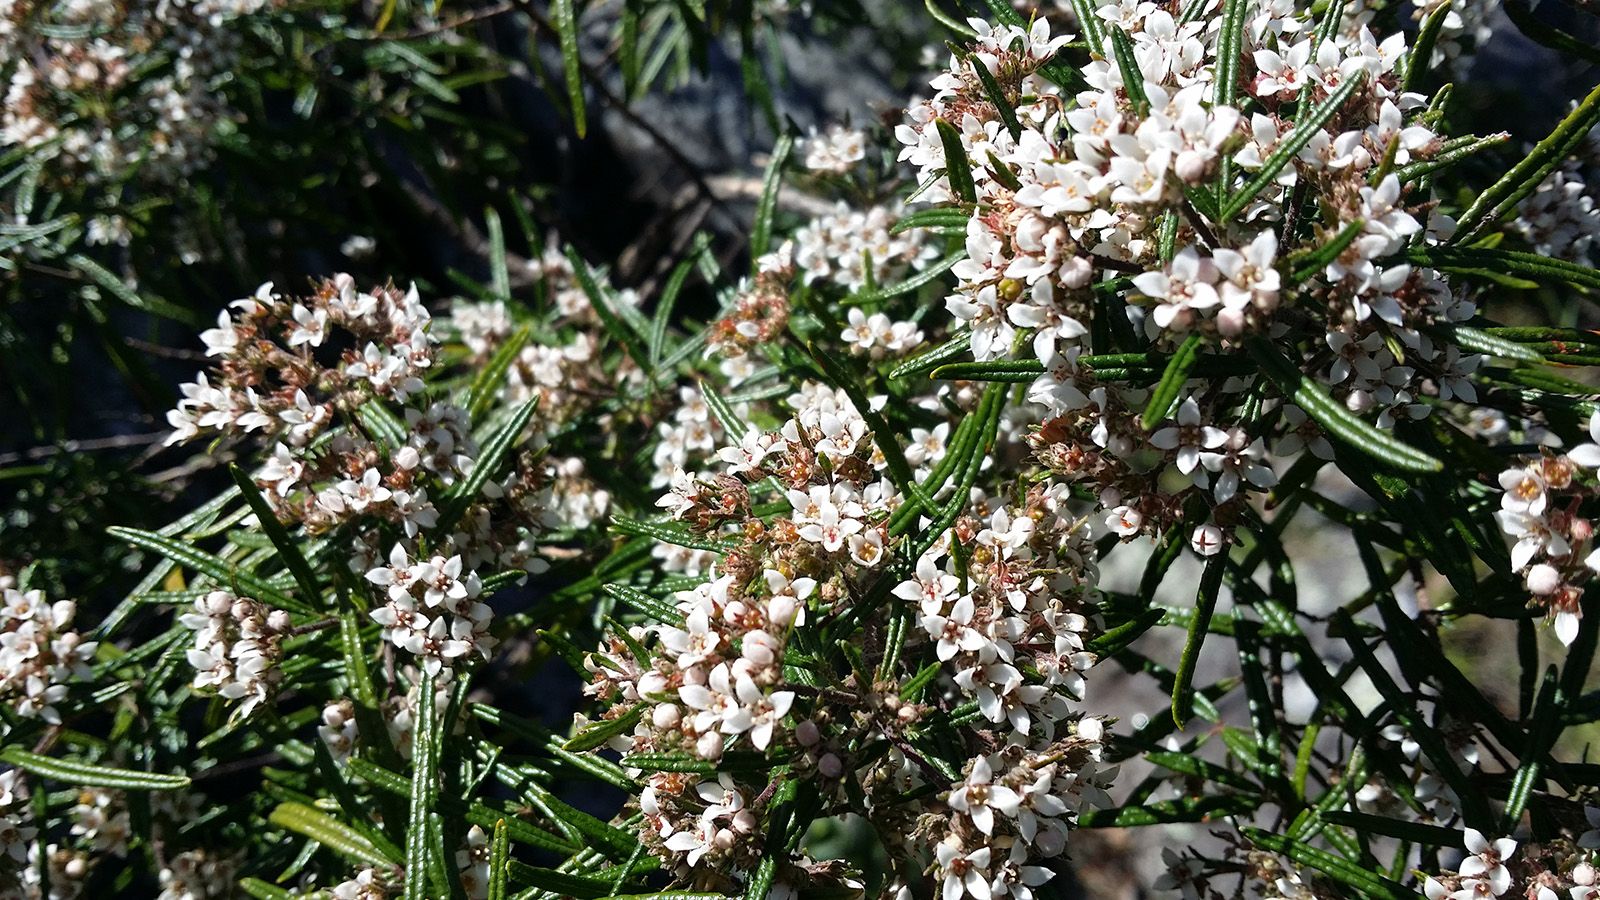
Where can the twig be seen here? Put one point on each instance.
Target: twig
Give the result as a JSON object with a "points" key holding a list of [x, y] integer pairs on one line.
{"points": [[114, 442]]}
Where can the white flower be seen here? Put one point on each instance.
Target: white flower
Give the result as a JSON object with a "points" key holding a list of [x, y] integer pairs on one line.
{"points": [[979, 797], [1488, 860], [1188, 437], [1524, 491], [965, 874], [930, 588], [953, 632]]}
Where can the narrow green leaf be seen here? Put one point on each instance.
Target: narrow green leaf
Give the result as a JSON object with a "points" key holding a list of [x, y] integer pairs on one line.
{"points": [[937, 217], [1205, 605], [908, 285], [957, 169], [1002, 104], [499, 861], [1165, 395], [664, 306], [1454, 151], [596, 734], [288, 549], [495, 452], [660, 610], [420, 849], [491, 377], [120, 290], [671, 533], [1479, 341], [1193, 809], [621, 331], [329, 832], [1333, 415], [225, 573], [1088, 15], [1230, 43], [499, 272], [1420, 57], [1524, 177], [1290, 147], [565, 17], [261, 890], [1132, 76], [1543, 733], [767, 206], [723, 413], [1334, 867], [473, 812], [1493, 261], [931, 359], [86, 774]]}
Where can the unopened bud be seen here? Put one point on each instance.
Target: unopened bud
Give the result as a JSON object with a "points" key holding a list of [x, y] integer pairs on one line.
{"points": [[665, 715], [830, 765]]}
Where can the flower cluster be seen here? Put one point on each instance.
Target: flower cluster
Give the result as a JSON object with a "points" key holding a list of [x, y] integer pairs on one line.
{"points": [[238, 643], [1001, 605], [1561, 218], [855, 248], [270, 379], [1540, 511], [312, 373], [759, 314], [877, 336], [835, 151], [198, 875], [40, 653], [1079, 198], [1492, 869], [432, 608], [118, 86]]}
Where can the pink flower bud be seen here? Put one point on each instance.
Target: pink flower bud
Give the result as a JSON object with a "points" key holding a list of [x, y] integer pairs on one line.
{"points": [[1543, 579], [665, 716]]}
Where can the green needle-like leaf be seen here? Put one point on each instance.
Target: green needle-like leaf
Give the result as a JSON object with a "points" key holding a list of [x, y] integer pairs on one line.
{"points": [[1333, 416]]}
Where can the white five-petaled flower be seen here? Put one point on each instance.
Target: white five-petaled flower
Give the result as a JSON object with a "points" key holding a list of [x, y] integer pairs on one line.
{"points": [[930, 587]]}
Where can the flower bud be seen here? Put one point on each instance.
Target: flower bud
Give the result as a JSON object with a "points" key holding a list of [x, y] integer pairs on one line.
{"points": [[1543, 579], [709, 746], [830, 765], [1584, 875], [665, 716], [807, 733]]}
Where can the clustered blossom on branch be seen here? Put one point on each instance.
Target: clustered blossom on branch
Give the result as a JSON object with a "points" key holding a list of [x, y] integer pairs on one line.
{"points": [[1494, 869], [1539, 511], [1095, 191], [118, 88], [238, 644], [310, 373], [40, 653], [1002, 605], [1561, 218]]}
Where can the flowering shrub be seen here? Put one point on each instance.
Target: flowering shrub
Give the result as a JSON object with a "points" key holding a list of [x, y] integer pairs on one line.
{"points": [[1158, 349]]}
